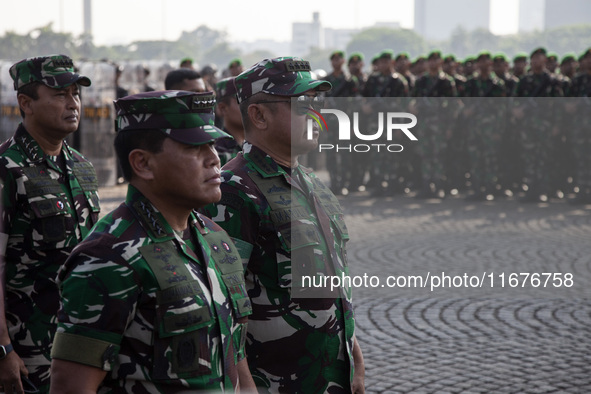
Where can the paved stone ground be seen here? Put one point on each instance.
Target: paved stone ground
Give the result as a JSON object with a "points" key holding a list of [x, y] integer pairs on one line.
{"points": [[472, 340], [468, 340]]}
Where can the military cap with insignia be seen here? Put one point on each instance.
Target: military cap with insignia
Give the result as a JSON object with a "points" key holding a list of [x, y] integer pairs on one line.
{"points": [[186, 117], [54, 71], [483, 55], [356, 57], [538, 51], [337, 53], [282, 76], [434, 55]]}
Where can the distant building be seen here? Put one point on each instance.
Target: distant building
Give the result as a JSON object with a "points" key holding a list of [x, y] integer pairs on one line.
{"points": [[305, 36], [308, 35], [567, 12], [531, 15], [436, 19]]}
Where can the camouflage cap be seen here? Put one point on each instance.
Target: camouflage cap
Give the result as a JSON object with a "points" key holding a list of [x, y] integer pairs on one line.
{"points": [[235, 62], [185, 117], [225, 88], [434, 55], [54, 71], [521, 56], [449, 58], [356, 57], [585, 54], [282, 76], [402, 55], [386, 54], [537, 51], [484, 54], [337, 53], [500, 57], [570, 57]]}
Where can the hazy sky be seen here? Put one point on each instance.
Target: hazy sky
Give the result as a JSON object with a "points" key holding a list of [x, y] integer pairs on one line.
{"points": [[123, 21]]}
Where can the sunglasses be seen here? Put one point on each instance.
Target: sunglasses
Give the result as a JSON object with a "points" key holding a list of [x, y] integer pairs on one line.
{"points": [[303, 104]]}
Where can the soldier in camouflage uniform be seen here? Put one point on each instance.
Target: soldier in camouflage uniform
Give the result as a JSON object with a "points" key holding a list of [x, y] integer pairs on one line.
{"points": [[510, 174], [227, 107], [153, 300], [485, 124], [431, 105], [49, 203], [581, 135], [295, 344], [402, 67], [385, 175], [355, 66], [519, 65], [501, 70], [537, 123], [339, 164]]}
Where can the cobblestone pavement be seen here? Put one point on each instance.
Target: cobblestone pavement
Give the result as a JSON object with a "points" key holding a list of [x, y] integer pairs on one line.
{"points": [[472, 340], [468, 339]]}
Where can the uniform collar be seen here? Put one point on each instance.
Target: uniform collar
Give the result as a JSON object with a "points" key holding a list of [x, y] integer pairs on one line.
{"points": [[152, 220], [32, 148], [262, 162]]}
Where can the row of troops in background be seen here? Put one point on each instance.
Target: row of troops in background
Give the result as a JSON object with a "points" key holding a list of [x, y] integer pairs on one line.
{"points": [[483, 128]]}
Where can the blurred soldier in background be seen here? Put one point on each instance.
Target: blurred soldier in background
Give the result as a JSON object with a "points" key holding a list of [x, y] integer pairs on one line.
{"points": [[227, 107], [338, 164], [519, 65], [484, 121], [431, 91], [385, 174], [537, 121], [581, 135], [184, 79]]}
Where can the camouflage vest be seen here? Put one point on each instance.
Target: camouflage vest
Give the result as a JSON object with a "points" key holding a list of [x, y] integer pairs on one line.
{"points": [[161, 256], [46, 199], [297, 224]]}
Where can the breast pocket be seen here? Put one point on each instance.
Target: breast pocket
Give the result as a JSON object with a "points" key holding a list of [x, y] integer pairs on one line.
{"points": [[183, 342], [49, 222]]}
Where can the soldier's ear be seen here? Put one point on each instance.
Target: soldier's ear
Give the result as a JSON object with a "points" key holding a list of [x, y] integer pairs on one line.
{"points": [[24, 103], [139, 161], [257, 115]]}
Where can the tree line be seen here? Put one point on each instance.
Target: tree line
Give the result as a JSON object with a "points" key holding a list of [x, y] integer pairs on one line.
{"points": [[206, 45]]}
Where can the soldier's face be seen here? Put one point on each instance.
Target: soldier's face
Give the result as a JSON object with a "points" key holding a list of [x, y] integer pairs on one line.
{"points": [[56, 111], [192, 85], [186, 176]]}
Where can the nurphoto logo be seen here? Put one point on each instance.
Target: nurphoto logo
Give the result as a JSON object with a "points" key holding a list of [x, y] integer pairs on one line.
{"points": [[387, 124]]}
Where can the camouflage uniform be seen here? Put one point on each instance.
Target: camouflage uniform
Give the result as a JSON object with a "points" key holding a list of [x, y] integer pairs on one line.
{"points": [[155, 309], [536, 129], [510, 167], [581, 135], [382, 170], [484, 133], [339, 164], [227, 148], [289, 347], [296, 345], [49, 204], [435, 117], [161, 311]]}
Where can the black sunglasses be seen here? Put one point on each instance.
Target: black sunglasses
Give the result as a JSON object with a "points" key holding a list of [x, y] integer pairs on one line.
{"points": [[303, 103]]}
